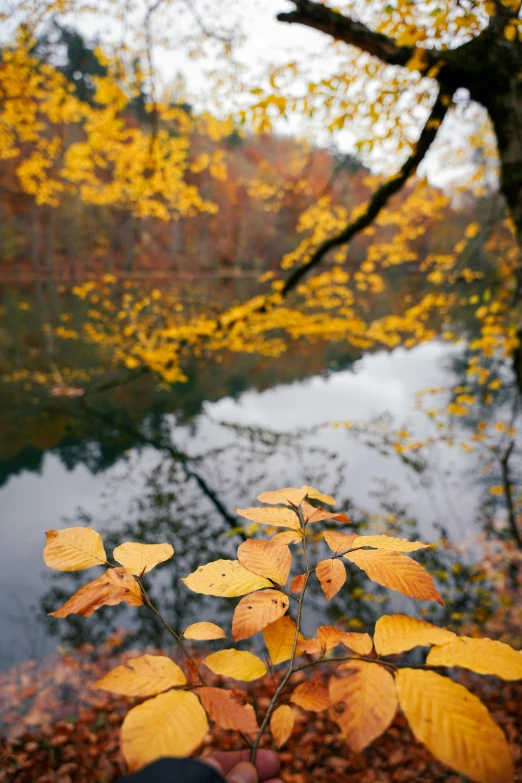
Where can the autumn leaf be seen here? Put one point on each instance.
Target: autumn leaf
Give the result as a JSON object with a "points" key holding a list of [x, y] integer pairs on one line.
{"points": [[364, 704], [388, 543], [73, 549], [288, 537], [224, 578], [143, 676], [141, 558], [339, 542], [113, 587], [298, 582], [312, 514], [270, 559], [330, 637], [239, 664], [455, 726], [171, 724], [281, 724], [396, 571], [227, 711], [204, 631], [276, 517], [398, 633], [482, 656], [279, 638], [312, 696], [254, 612], [331, 574], [309, 647], [292, 496]]}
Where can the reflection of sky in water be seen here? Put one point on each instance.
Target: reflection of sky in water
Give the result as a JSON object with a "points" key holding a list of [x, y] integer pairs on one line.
{"points": [[32, 503]]}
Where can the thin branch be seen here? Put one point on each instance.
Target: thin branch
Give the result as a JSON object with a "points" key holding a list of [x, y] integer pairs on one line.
{"points": [[508, 492]]}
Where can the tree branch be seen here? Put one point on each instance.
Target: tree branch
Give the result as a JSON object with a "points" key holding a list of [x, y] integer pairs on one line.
{"points": [[381, 196]]}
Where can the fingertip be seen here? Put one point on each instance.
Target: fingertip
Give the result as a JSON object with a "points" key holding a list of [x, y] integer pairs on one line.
{"points": [[267, 764], [244, 772]]}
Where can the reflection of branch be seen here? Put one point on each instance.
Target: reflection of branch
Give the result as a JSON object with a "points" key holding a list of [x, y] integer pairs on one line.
{"points": [[508, 491]]}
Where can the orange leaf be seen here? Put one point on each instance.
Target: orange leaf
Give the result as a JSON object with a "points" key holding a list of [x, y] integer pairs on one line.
{"points": [[312, 514], [309, 647], [288, 537], [279, 639], [281, 724], [270, 559], [364, 703], [293, 497], [298, 583], [111, 588], [329, 637], [339, 542], [397, 633], [391, 569], [332, 576], [254, 612], [389, 543], [239, 664], [227, 711], [204, 631], [276, 517], [143, 676], [311, 696]]}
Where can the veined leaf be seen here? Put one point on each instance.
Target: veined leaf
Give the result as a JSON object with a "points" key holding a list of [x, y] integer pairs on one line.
{"points": [[143, 676], [224, 578], [279, 639], [455, 726], [111, 588], [171, 724], [394, 570], [339, 542], [297, 584], [364, 703], [398, 633], [288, 537], [312, 696], [239, 664], [389, 543], [270, 559], [276, 517], [257, 610], [330, 637], [227, 711], [141, 558], [482, 656], [331, 574], [312, 514], [281, 724], [293, 496], [73, 549], [204, 631]]}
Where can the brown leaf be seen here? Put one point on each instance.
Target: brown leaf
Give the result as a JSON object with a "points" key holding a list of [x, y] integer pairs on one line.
{"points": [[113, 587], [254, 612], [331, 574], [297, 584], [227, 711]]}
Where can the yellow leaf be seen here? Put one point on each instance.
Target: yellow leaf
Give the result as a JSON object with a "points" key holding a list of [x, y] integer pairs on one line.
{"points": [[171, 724], [288, 537], [364, 703], [331, 574], [225, 578], [293, 497], [204, 631], [141, 558], [330, 637], [455, 726], [297, 584], [396, 571], [312, 696], [239, 664], [320, 496], [254, 612], [309, 647], [397, 633], [510, 31], [482, 656], [279, 638], [73, 549], [388, 543], [111, 588], [227, 711], [276, 517], [281, 724], [312, 514], [143, 676], [270, 559], [339, 542]]}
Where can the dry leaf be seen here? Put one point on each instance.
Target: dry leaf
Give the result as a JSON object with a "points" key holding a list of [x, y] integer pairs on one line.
{"points": [[312, 514], [143, 676], [113, 587], [398, 633], [391, 569], [227, 711], [455, 726], [482, 656], [239, 664], [364, 703], [73, 549], [339, 542], [279, 639], [389, 543], [270, 559], [224, 578], [330, 637], [287, 495], [204, 631], [171, 724], [309, 647], [331, 574], [311, 695], [281, 724], [288, 537], [254, 612], [276, 517], [298, 582], [141, 558]]}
